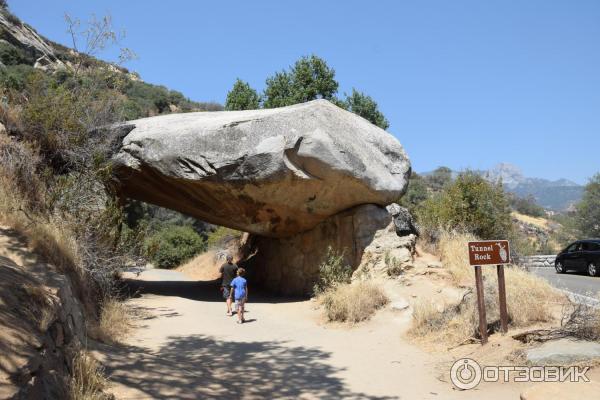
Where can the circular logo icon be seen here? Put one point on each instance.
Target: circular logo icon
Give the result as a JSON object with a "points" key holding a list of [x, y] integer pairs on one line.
{"points": [[465, 373]]}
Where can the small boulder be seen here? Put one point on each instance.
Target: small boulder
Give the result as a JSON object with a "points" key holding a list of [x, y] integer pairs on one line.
{"points": [[403, 221], [563, 351], [400, 305], [434, 264]]}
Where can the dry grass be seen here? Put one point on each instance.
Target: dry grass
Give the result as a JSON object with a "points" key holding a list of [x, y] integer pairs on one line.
{"points": [[54, 242], [530, 299], [203, 267], [353, 302], [452, 248], [50, 237], [115, 321], [38, 305], [441, 324], [535, 221], [88, 381]]}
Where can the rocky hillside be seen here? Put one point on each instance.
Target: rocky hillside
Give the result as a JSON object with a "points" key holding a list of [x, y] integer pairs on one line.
{"points": [[23, 49]]}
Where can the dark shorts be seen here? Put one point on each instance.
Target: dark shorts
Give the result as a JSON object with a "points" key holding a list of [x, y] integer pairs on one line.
{"points": [[240, 302], [226, 291]]}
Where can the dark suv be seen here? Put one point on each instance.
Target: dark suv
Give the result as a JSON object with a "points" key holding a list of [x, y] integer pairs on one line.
{"points": [[583, 255]]}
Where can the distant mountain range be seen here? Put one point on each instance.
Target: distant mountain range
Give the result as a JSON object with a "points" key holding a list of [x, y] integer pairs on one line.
{"points": [[557, 195]]}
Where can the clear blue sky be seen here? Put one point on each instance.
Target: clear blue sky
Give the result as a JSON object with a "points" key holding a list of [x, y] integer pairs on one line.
{"points": [[465, 84]]}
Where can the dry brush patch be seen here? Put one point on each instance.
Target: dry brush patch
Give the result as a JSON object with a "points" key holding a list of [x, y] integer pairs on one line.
{"points": [[88, 380], [115, 322], [452, 249], [352, 302], [38, 304], [579, 321]]}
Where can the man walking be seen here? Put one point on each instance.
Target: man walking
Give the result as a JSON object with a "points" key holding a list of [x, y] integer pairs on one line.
{"points": [[228, 272]]}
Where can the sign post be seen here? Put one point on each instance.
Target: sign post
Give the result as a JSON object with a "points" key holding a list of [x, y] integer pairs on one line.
{"points": [[490, 252]]}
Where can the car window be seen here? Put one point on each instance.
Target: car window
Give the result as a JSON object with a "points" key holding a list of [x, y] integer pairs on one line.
{"points": [[586, 246], [590, 246], [573, 247]]}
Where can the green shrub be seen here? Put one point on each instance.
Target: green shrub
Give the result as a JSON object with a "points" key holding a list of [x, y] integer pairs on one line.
{"points": [[15, 77], [439, 178], [242, 97], [364, 105], [588, 210], [332, 271], [173, 245], [11, 55], [416, 193], [526, 205], [469, 204]]}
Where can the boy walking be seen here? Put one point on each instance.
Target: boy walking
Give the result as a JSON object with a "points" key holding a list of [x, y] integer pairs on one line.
{"points": [[239, 287]]}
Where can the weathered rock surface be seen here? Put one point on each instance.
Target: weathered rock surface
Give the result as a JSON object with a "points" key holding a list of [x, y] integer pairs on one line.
{"points": [[276, 172], [563, 351], [387, 255], [403, 221], [42, 324], [24, 36], [291, 265]]}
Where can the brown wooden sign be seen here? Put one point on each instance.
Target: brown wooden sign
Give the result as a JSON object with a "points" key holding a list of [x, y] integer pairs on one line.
{"points": [[489, 252]]}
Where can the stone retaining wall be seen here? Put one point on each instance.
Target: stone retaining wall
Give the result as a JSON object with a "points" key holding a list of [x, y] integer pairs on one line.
{"points": [[536, 261]]}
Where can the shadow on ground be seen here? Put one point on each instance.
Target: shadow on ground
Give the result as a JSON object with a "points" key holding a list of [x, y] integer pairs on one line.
{"points": [[201, 367], [197, 290]]}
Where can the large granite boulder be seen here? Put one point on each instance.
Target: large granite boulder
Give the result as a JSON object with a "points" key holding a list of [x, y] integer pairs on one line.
{"points": [[275, 172], [290, 265]]}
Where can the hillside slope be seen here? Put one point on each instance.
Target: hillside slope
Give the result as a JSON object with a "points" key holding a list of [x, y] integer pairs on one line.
{"points": [[42, 323], [23, 50]]}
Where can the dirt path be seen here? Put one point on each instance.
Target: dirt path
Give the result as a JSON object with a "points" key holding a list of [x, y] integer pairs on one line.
{"points": [[187, 348]]}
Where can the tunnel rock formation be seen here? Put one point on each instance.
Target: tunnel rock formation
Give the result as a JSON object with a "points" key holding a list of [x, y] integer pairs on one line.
{"points": [[295, 177]]}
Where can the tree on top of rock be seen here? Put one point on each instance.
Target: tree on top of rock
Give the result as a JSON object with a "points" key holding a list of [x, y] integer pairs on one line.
{"points": [[313, 79], [278, 92], [364, 105], [309, 79], [242, 97]]}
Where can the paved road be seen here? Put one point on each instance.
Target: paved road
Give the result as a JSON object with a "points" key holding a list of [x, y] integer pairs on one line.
{"points": [[578, 283]]}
